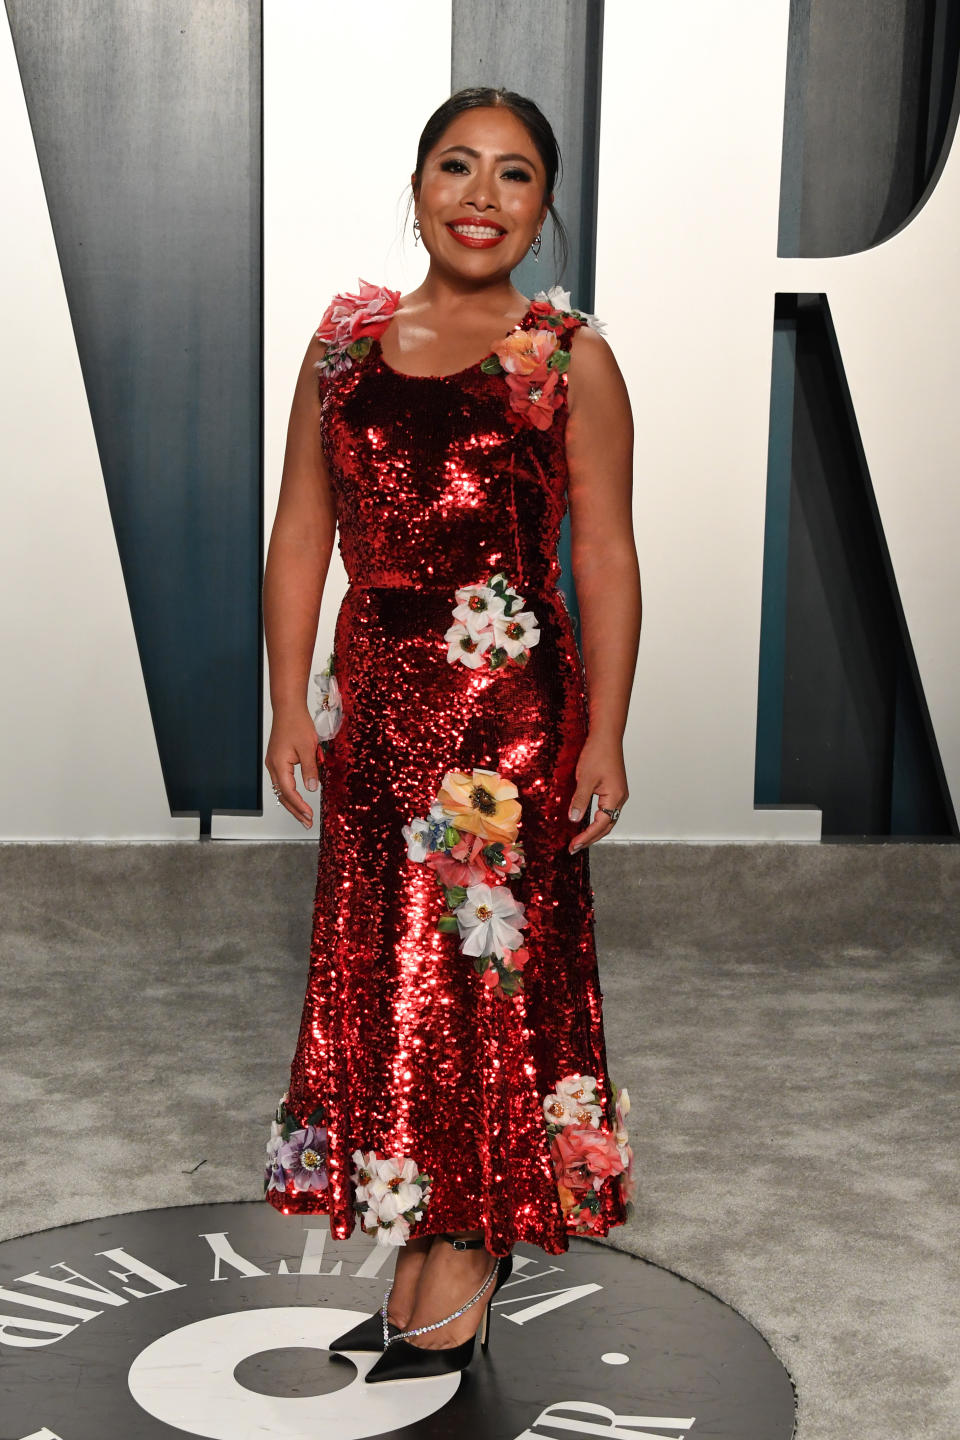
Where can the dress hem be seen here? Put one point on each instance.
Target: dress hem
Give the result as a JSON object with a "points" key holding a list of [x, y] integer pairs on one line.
{"points": [[552, 1243]]}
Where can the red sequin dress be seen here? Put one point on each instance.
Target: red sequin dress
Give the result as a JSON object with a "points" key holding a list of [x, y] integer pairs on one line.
{"points": [[460, 1084]]}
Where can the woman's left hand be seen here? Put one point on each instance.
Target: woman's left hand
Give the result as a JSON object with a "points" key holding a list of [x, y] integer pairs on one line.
{"points": [[600, 771]]}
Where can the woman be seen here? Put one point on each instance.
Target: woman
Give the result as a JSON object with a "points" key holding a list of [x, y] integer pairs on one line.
{"points": [[450, 1085]]}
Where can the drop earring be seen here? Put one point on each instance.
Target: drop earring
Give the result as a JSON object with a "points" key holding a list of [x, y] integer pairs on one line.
{"points": [[535, 247], [416, 230]]}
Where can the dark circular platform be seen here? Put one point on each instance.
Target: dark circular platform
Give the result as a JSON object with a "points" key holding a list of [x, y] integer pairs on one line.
{"points": [[213, 1320]]}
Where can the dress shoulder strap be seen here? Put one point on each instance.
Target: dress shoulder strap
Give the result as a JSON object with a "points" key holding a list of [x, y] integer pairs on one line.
{"points": [[350, 324]]}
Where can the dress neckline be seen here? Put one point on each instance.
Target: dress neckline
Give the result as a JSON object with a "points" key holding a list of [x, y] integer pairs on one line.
{"points": [[451, 374]]}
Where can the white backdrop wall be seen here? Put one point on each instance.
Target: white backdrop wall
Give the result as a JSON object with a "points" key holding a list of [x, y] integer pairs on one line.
{"points": [[335, 193], [691, 134]]}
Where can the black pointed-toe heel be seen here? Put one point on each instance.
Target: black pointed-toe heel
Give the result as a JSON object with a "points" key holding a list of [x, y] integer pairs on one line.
{"points": [[402, 1361], [374, 1333]]}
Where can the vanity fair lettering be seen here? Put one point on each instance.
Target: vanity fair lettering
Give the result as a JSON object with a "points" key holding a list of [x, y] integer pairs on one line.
{"points": [[30, 1320], [581, 1418]]}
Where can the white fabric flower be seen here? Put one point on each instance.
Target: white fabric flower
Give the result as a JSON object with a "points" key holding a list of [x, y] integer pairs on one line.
{"points": [[477, 620], [274, 1146], [469, 649], [623, 1110], [515, 645], [397, 1167], [560, 300], [564, 1110], [388, 1206], [588, 1115], [377, 1188], [363, 1165], [398, 1175], [491, 919], [559, 1109], [578, 1094], [390, 1195], [555, 296], [579, 1087], [396, 1233], [416, 834], [328, 718]]}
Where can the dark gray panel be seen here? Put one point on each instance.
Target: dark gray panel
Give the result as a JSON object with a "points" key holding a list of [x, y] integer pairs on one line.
{"points": [[553, 55], [869, 118], [146, 119], [854, 732]]}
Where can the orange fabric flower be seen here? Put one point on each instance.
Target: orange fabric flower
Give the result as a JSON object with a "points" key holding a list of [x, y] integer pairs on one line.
{"points": [[482, 802], [524, 351]]}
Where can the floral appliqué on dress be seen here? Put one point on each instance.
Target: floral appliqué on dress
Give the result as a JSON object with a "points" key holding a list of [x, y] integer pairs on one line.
{"points": [[584, 1154]]}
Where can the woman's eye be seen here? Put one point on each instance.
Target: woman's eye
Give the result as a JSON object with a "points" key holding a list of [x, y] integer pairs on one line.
{"points": [[509, 174]]}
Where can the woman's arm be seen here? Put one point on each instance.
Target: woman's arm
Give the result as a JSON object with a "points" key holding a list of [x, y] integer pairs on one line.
{"points": [[606, 573], [298, 558]]}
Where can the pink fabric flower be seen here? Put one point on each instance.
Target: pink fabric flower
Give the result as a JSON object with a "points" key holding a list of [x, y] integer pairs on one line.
{"points": [[352, 317], [515, 959], [585, 1151], [600, 1152], [587, 1221], [464, 864], [569, 1165], [535, 396], [544, 307]]}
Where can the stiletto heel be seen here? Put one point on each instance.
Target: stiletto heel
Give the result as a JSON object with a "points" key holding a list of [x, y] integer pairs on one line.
{"points": [[402, 1361], [485, 1325]]}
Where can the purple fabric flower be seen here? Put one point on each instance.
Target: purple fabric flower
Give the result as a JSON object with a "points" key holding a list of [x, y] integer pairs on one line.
{"points": [[304, 1158]]}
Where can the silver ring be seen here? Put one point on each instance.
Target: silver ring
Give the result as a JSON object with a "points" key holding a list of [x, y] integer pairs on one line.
{"points": [[614, 814]]}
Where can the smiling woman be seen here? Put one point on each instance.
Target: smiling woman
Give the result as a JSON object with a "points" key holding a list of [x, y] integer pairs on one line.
{"points": [[450, 1086]]}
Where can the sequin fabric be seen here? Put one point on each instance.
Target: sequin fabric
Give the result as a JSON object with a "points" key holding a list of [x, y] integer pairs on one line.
{"points": [[402, 1047]]}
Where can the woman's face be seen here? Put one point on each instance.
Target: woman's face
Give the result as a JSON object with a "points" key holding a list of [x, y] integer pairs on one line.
{"points": [[484, 172]]}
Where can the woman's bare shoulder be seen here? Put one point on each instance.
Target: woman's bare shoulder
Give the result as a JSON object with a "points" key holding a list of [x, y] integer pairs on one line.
{"points": [[593, 371]]}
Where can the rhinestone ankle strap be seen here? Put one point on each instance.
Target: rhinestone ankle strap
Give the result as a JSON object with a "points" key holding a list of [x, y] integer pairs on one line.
{"points": [[383, 1316], [422, 1329]]}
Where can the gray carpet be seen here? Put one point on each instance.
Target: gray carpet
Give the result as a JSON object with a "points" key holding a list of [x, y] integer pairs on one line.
{"points": [[784, 1017]]}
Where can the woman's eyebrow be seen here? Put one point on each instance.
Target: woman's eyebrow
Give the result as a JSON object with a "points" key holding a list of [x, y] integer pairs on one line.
{"points": [[469, 151]]}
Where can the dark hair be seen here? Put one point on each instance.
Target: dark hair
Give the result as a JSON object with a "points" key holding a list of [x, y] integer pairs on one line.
{"points": [[530, 114]]}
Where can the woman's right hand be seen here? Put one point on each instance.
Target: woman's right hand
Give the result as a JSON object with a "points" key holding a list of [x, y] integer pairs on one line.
{"points": [[293, 741]]}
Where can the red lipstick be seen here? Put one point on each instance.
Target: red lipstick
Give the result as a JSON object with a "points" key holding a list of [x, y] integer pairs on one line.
{"points": [[476, 241]]}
